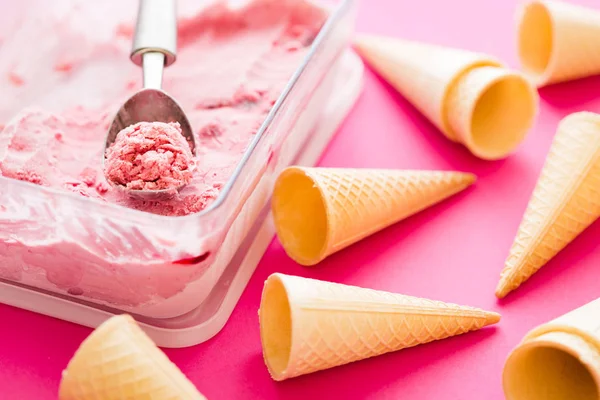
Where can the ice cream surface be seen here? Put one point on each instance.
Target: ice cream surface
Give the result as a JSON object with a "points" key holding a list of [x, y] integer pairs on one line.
{"points": [[64, 73], [150, 156], [57, 102]]}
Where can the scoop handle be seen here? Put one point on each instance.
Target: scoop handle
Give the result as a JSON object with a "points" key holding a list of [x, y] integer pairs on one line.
{"points": [[155, 31]]}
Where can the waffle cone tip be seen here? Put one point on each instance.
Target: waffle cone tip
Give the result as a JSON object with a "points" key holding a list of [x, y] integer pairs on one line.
{"points": [[503, 289], [563, 203], [491, 318], [469, 178]]}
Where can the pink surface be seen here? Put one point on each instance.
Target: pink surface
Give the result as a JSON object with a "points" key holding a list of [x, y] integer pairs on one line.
{"points": [[452, 252]]}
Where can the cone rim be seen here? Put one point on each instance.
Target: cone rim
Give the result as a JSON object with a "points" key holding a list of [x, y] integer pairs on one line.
{"points": [[277, 372], [271, 327], [282, 231], [501, 75], [548, 340], [481, 139], [285, 232], [539, 77]]}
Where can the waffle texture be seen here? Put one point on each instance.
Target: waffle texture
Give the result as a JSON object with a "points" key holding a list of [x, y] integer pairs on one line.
{"points": [[319, 211], [118, 361], [441, 83], [565, 201], [558, 41], [331, 324]]}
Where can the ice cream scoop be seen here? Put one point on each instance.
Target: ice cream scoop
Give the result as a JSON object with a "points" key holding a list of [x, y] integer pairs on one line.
{"points": [[154, 48]]}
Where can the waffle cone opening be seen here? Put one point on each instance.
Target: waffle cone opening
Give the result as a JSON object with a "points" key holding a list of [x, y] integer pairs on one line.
{"points": [[551, 368], [502, 116], [300, 216], [276, 327], [535, 39]]}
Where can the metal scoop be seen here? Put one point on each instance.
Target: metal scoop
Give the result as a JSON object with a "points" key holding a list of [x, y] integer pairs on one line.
{"points": [[154, 48]]}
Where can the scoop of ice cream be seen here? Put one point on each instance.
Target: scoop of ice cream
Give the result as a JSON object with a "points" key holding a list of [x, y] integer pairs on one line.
{"points": [[150, 156]]}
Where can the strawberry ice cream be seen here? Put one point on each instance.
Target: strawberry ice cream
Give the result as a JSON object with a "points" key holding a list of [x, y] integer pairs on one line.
{"points": [[150, 156], [232, 64], [64, 73]]}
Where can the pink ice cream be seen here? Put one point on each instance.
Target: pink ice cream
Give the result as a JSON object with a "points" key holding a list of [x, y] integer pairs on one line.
{"points": [[232, 65], [64, 72], [150, 156]]}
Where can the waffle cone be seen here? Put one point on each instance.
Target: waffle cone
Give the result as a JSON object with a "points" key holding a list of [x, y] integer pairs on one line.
{"points": [[319, 211], [470, 97], [119, 361], [557, 360], [308, 325], [565, 201], [558, 42]]}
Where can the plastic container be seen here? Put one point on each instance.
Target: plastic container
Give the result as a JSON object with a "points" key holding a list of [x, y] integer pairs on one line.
{"points": [[113, 249], [206, 320]]}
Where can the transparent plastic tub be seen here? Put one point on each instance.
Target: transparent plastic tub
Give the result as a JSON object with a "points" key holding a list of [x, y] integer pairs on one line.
{"points": [[155, 266]]}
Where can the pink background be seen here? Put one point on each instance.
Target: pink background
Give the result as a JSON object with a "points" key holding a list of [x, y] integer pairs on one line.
{"points": [[452, 252]]}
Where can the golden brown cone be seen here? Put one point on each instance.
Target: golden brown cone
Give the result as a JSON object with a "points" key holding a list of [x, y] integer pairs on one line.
{"points": [[565, 201], [309, 325], [558, 41], [472, 98], [319, 211], [558, 360]]}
